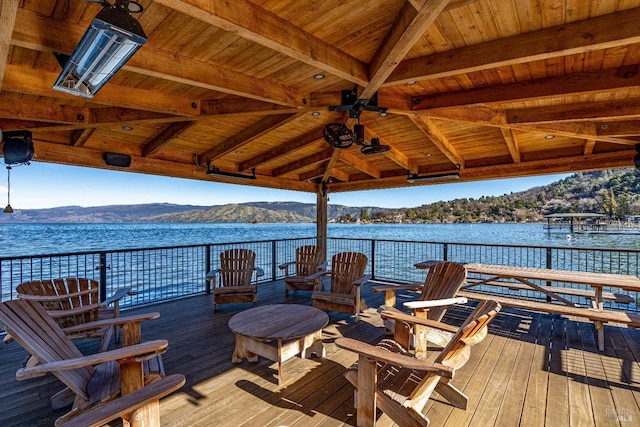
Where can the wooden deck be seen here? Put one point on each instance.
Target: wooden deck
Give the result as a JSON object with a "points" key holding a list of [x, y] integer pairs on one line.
{"points": [[532, 370]]}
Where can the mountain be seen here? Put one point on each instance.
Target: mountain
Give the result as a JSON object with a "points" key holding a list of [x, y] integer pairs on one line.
{"points": [[268, 212], [613, 192]]}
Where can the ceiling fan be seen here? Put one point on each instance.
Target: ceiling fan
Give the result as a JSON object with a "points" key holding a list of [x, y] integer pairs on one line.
{"points": [[340, 136]]}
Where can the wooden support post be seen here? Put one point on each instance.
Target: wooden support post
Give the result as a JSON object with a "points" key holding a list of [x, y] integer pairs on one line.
{"points": [[321, 223]]}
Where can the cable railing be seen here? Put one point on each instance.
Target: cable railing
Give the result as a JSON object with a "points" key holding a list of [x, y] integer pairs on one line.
{"points": [[167, 273]]}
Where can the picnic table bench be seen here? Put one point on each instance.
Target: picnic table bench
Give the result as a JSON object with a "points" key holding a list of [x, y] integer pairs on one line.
{"points": [[523, 278]]}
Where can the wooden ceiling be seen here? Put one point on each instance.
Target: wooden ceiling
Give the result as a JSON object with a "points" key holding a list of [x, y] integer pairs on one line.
{"points": [[475, 86]]}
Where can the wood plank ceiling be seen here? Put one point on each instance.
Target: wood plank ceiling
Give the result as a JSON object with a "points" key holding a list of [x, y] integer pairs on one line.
{"points": [[486, 88]]}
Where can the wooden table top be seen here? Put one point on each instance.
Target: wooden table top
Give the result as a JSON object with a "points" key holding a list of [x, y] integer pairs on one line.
{"points": [[278, 322], [622, 281]]}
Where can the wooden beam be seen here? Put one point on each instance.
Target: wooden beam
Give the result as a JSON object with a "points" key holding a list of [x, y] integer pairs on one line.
{"points": [[43, 111], [164, 137], [360, 164], [26, 80], [602, 81], [427, 126], [313, 174], [512, 144], [618, 159], [254, 23], [285, 149], [602, 32], [394, 154], [8, 11], [331, 164], [82, 156], [410, 25], [63, 36], [80, 136], [261, 127], [589, 144], [487, 116], [320, 157], [602, 110], [619, 128]]}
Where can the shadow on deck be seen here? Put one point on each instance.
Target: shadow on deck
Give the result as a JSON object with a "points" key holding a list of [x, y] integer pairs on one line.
{"points": [[533, 369]]}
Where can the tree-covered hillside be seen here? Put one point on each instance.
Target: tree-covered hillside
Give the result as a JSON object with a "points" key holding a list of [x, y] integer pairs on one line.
{"points": [[614, 192]]}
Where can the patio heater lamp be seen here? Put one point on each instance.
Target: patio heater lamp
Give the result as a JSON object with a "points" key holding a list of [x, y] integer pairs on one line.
{"points": [[414, 177], [111, 39]]}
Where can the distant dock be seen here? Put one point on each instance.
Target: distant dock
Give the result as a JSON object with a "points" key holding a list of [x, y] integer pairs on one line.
{"points": [[589, 223]]}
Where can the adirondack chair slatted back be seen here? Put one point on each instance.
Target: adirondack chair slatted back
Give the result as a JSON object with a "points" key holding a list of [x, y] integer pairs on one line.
{"points": [[308, 258], [38, 333], [87, 288], [236, 267], [472, 331], [443, 281], [346, 268]]}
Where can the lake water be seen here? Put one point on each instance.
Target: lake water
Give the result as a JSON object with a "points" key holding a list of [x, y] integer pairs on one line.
{"points": [[38, 239]]}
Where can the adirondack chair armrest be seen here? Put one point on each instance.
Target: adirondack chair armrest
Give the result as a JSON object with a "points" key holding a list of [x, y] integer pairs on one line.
{"points": [[361, 281], [138, 352], [317, 274], [416, 287], [435, 303], [382, 355], [286, 265], [118, 321], [402, 317], [115, 298], [322, 266], [124, 405], [259, 272]]}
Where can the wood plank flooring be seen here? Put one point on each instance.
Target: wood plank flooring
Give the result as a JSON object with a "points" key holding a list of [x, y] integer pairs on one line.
{"points": [[532, 370]]}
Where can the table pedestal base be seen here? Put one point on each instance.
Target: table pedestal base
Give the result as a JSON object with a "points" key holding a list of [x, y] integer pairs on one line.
{"points": [[251, 348]]}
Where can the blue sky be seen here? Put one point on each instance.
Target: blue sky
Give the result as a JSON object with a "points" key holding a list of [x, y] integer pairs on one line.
{"points": [[44, 185]]}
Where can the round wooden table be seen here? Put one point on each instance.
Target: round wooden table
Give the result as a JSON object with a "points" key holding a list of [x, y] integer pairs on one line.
{"points": [[278, 332]]}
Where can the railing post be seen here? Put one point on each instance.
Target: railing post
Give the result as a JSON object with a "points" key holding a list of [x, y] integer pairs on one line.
{"points": [[373, 259], [273, 260], [549, 265], [445, 251], [208, 267], [103, 276]]}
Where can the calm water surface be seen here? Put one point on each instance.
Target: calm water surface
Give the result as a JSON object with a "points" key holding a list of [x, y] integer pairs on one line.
{"points": [[38, 239]]}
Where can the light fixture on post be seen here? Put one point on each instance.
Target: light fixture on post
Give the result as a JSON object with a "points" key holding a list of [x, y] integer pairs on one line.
{"points": [[414, 177], [111, 39], [17, 150], [212, 170]]}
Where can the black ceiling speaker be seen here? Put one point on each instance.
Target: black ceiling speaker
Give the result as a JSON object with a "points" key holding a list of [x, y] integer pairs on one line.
{"points": [[636, 159], [374, 148], [115, 159], [18, 147], [338, 135]]}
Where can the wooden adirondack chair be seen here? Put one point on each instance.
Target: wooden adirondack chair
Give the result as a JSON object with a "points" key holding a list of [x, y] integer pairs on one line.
{"points": [[391, 379], [74, 301], [347, 276], [95, 379], [309, 260], [237, 267], [436, 294]]}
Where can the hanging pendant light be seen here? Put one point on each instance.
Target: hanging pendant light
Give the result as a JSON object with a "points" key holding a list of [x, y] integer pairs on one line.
{"points": [[8, 209]]}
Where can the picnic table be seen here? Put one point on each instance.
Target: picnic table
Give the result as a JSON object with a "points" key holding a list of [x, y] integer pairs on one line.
{"points": [[525, 278]]}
